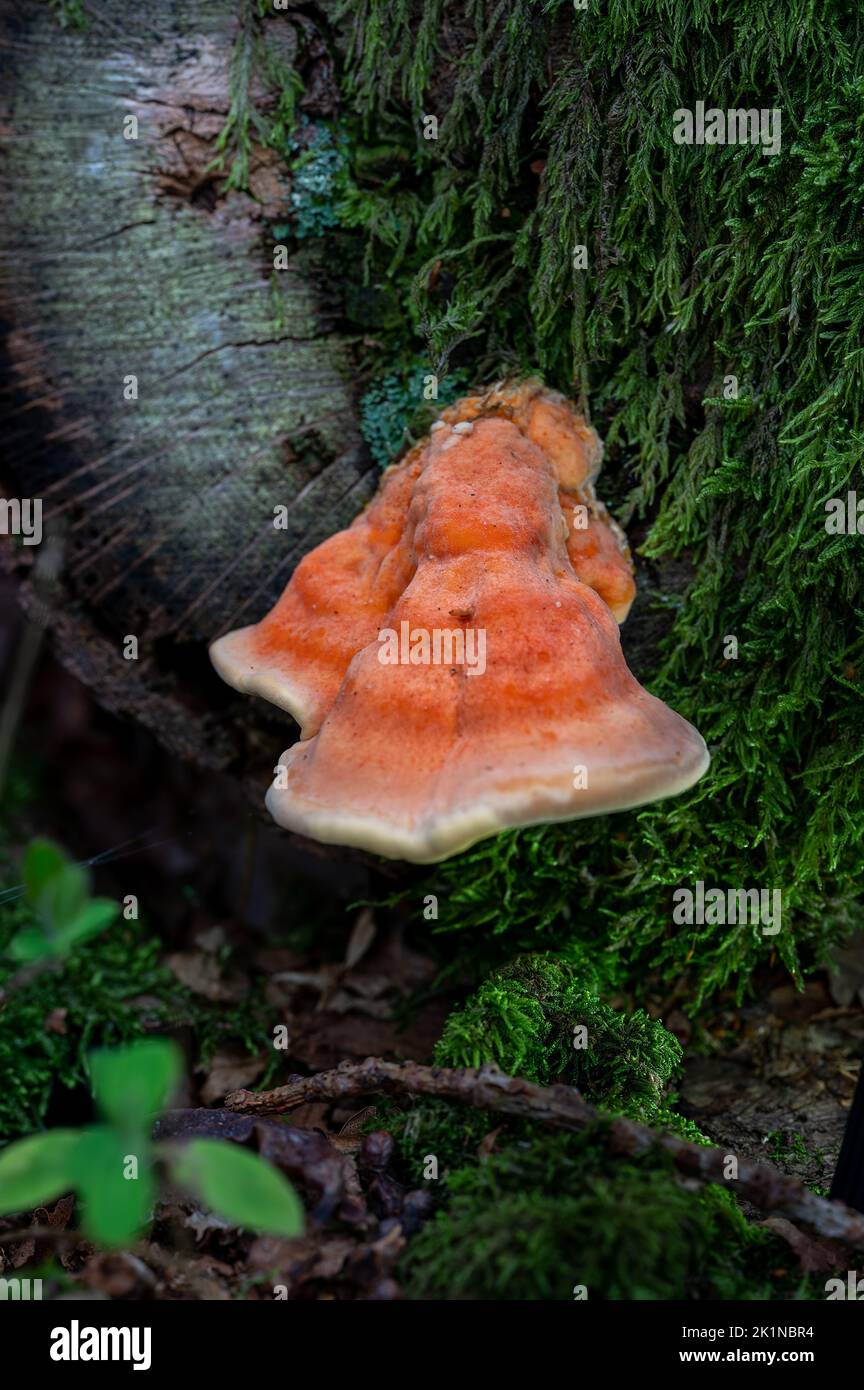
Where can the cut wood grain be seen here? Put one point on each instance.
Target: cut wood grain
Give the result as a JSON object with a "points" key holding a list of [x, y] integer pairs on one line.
{"points": [[126, 257]]}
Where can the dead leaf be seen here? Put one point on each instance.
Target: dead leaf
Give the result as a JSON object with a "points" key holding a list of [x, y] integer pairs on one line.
{"points": [[117, 1274], [488, 1142], [312, 1115], [797, 1005], [58, 1216], [202, 974], [352, 1125], [361, 938], [20, 1254], [231, 1071], [271, 959], [211, 940]]}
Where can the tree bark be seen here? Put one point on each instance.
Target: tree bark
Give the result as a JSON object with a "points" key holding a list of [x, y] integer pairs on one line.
{"points": [[126, 257]]}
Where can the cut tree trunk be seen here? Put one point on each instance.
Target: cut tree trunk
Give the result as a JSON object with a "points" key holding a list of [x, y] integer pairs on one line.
{"points": [[125, 257]]}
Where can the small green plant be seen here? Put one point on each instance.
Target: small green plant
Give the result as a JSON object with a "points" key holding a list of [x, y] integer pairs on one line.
{"points": [[106, 989], [58, 892], [111, 1164], [318, 167], [787, 1147]]}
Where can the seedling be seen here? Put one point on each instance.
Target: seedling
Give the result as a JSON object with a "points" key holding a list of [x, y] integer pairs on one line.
{"points": [[59, 893], [111, 1165]]}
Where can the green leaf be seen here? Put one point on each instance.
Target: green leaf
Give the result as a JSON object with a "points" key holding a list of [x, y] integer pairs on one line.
{"points": [[43, 860], [93, 918], [63, 896], [55, 887], [34, 943], [37, 1169], [114, 1178], [239, 1186], [31, 944], [132, 1083]]}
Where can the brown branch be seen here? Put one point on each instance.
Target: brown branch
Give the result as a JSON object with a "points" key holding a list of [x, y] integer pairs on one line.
{"points": [[563, 1108]]}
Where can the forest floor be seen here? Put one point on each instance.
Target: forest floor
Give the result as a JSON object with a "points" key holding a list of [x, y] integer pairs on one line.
{"points": [[253, 929]]}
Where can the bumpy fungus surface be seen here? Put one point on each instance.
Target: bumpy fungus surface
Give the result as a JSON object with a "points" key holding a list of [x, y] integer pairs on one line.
{"points": [[530, 714], [341, 592], [596, 545]]}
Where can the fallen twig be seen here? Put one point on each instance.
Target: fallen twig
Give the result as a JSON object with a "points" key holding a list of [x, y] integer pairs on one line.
{"points": [[563, 1107]]}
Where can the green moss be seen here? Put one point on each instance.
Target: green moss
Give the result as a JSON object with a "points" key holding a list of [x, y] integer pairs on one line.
{"points": [[702, 263], [535, 1018], [524, 1019], [788, 1149], [38, 1051], [110, 990], [113, 991], [253, 56], [534, 1221], [452, 1134]]}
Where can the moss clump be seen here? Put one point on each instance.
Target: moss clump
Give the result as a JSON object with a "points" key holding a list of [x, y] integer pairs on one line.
{"points": [[703, 264], [534, 1018], [524, 1018], [385, 410], [534, 1221], [452, 1134]]}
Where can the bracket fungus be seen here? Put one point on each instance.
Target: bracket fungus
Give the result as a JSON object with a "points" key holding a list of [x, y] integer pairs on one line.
{"points": [[453, 657]]}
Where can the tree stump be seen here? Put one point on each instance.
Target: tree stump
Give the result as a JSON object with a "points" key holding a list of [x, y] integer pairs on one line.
{"points": [[167, 389]]}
